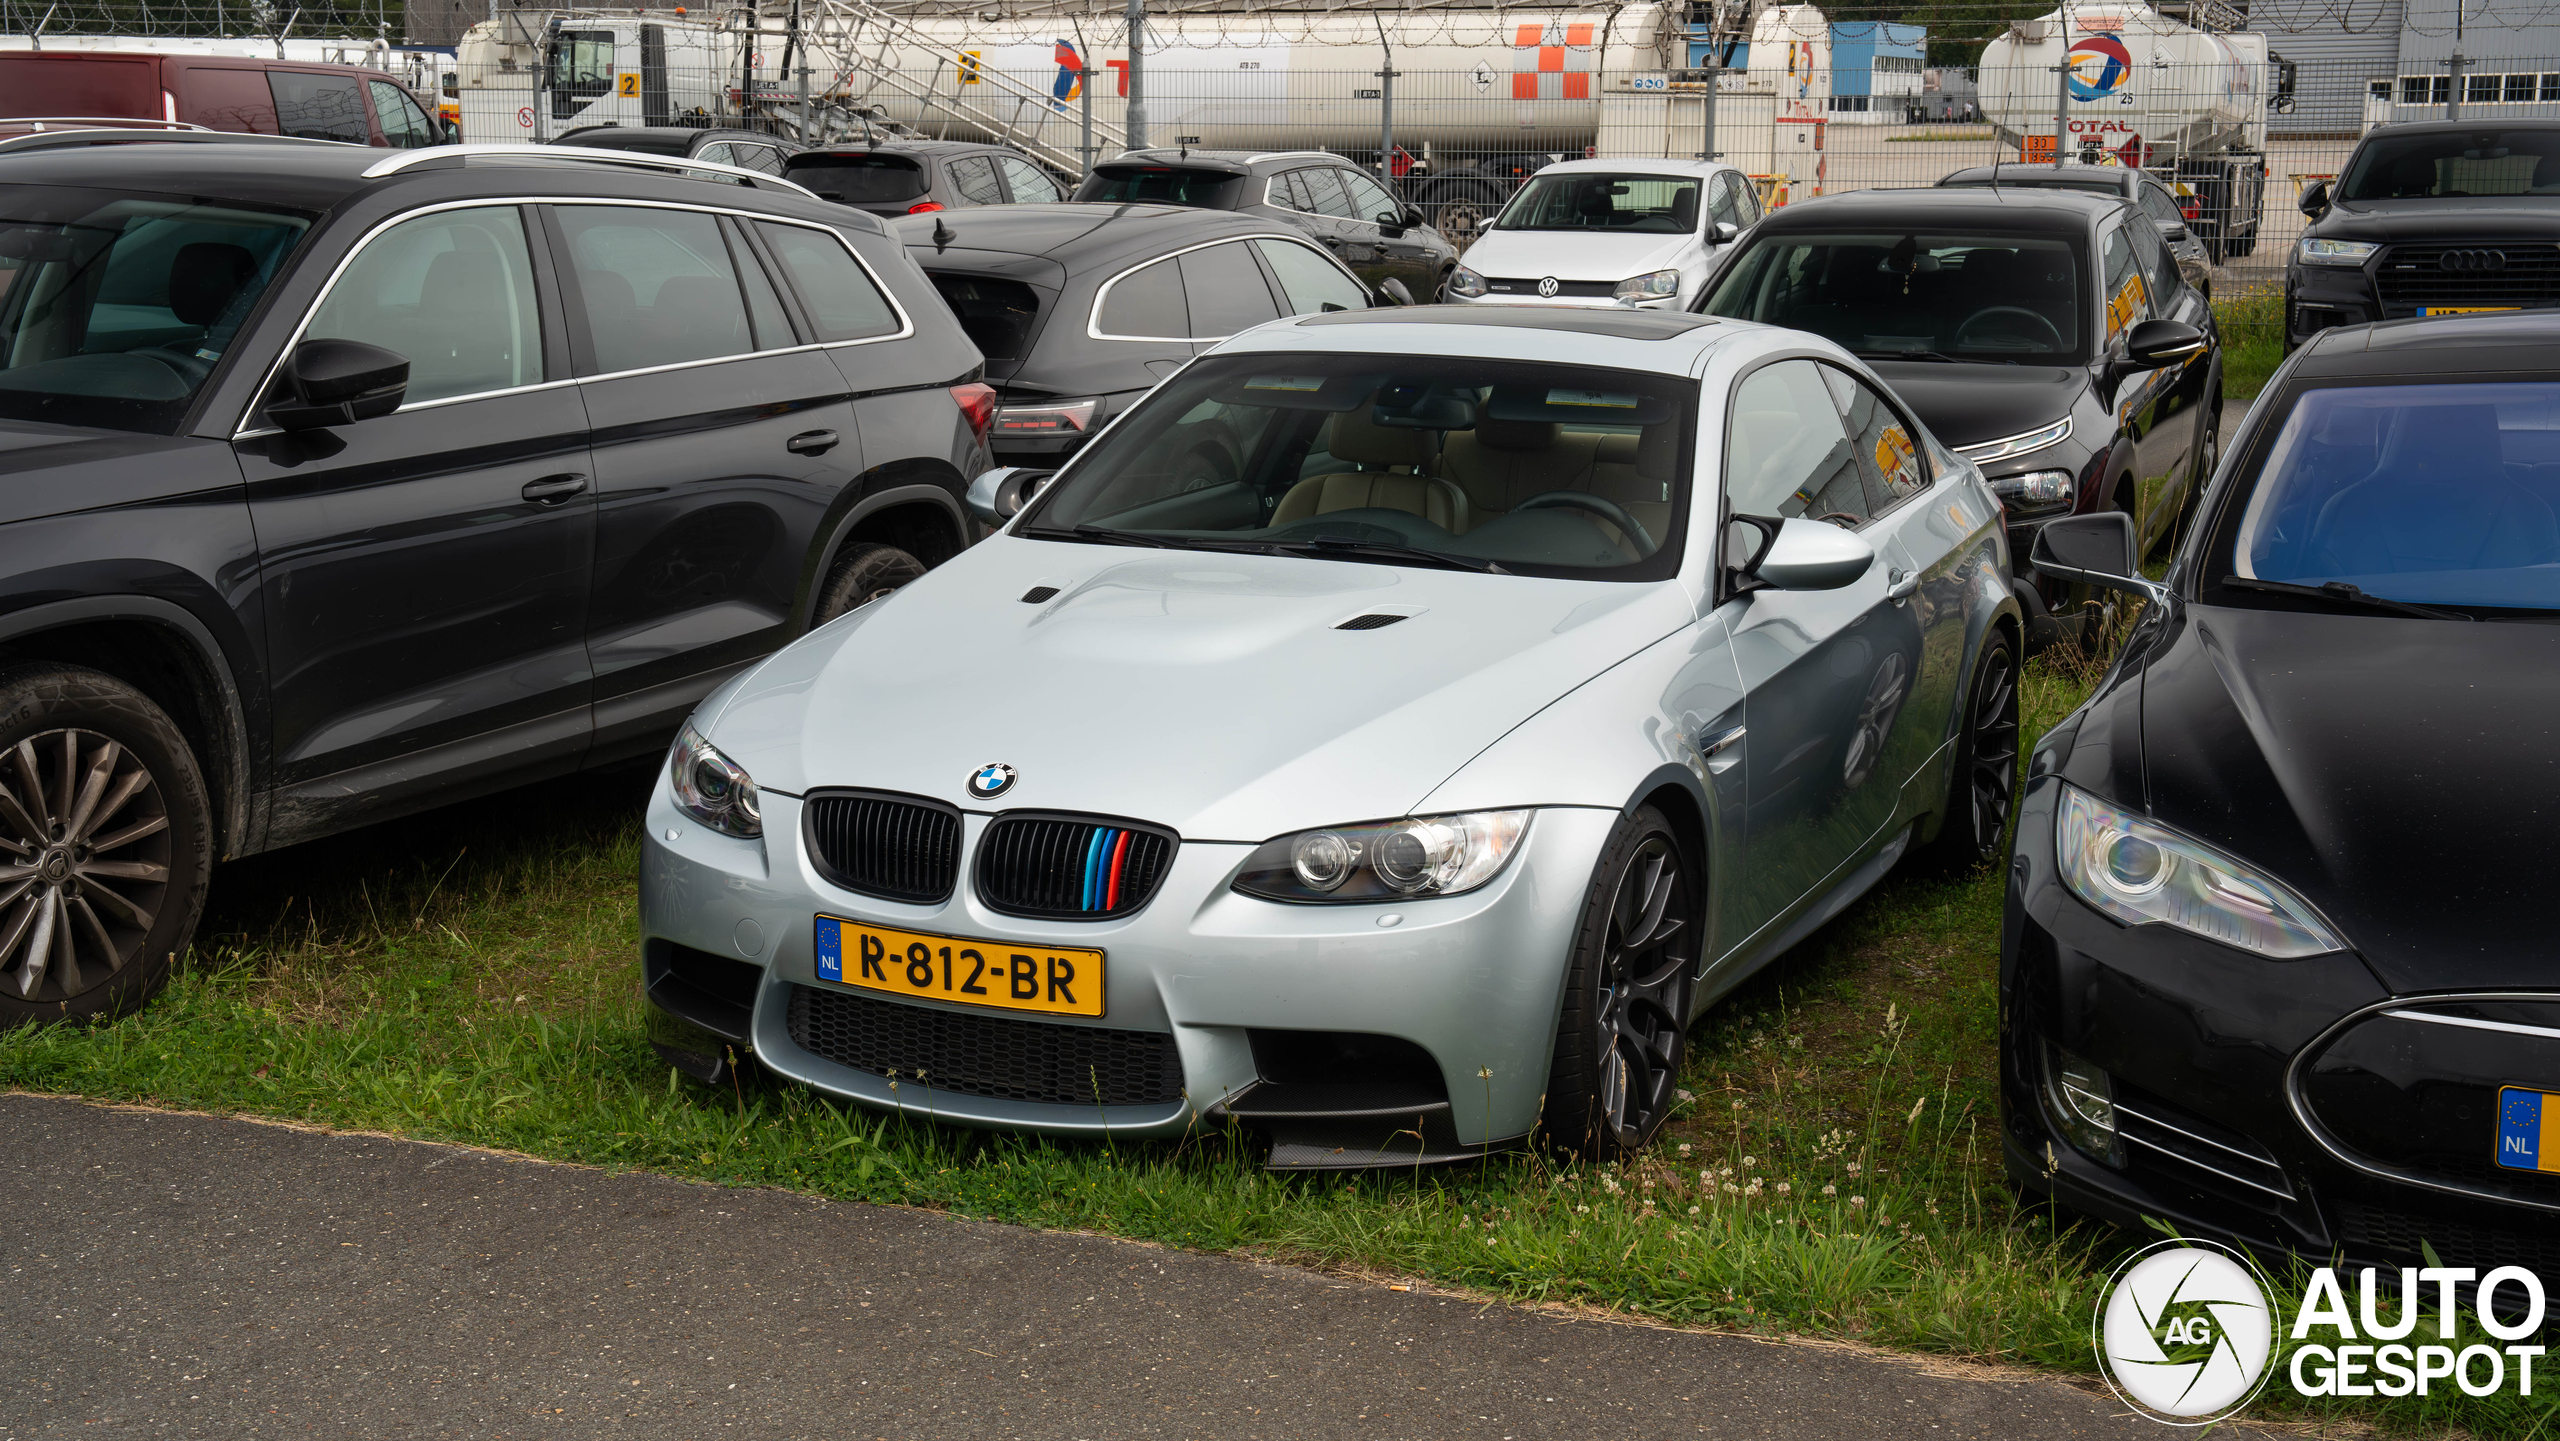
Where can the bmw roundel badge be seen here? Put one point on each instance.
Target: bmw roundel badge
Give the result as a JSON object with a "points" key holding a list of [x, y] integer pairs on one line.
{"points": [[988, 782]]}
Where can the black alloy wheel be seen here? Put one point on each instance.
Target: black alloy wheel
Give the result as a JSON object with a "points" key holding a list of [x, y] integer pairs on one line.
{"points": [[105, 841], [1624, 1028], [1983, 788], [864, 573]]}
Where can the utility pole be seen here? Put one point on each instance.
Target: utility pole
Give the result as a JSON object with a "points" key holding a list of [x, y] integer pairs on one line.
{"points": [[2453, 69], [1084, 93], [1136, 124], [1386, 107]]}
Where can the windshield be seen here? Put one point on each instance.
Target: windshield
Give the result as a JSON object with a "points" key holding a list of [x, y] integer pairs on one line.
{"points": [[1162, 185], [2438, 494], [2460, 163], [857, 179], [114, 309], [1631, 204], [1880, 294], [1537, 469]]}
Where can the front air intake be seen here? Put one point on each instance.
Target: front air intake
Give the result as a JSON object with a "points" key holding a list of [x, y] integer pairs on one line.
{"points": [[1083, 868], [899, 848], [1370, 622]]}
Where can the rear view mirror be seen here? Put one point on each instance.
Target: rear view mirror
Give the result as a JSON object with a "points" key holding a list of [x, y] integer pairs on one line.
{"points": [[1796, 554], [337, 382], [1000, 494], [1394, 293], [2092, 549], [2315, 198]]}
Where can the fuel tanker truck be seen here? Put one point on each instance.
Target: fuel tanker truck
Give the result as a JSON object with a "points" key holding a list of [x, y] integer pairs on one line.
{"points": [[1479, 98], [2137, 88]]}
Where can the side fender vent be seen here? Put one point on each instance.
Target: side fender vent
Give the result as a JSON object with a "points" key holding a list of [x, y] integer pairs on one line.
{"points": [[1038, 593], [1369, 622]]}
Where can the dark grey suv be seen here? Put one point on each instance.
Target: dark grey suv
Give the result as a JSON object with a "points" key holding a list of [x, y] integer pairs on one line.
{"points": [[1341, 206], [914, 177], [340, 484]]}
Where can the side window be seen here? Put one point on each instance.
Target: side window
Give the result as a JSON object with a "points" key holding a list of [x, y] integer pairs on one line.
{"points": [[453, 292], [1888, 453], [403, 124], [221, 98], [1025, 180], [1288, 192], [1746, 196], [973, 179], [835, 292], [1722, 207], [658, 285], [319, 107], [2162, 210], [2153, 254], [2128, 297], [1145, 303], [1226, 290], [1324, 193], [764, 303], [1369, 199], [761, 158], [717, 152], [1786, 454], [1311, 281]]}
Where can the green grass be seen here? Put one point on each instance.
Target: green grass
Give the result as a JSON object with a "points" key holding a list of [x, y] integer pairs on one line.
{"points": [[2252, 325], [469, 976]]}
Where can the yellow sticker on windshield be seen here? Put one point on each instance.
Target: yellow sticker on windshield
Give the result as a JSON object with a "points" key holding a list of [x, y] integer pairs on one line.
{"points": [[1285, 382], [1603, 399]]}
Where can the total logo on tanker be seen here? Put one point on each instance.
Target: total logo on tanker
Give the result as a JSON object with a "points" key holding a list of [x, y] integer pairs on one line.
{"points": [[2098, 66]]}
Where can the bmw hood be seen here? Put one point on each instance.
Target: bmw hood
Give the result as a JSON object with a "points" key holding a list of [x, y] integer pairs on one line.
{"points": [[1969, 404], [2401, 775], [1211, 693], [1574, 254]]}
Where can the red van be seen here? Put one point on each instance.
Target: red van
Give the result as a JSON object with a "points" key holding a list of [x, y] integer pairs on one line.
{"points": [[220, 92]]}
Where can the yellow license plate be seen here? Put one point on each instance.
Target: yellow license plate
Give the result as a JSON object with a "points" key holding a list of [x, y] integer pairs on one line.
{"points": [[2427, 310], [1054, 980]]}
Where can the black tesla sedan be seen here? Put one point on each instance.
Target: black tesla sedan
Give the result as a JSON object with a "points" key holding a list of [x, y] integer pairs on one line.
{"points": [[2045, 335], [2277, 962]]}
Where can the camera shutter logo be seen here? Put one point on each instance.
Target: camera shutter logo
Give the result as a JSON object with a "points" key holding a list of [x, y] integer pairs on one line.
{"points": [[2184, 1332]]}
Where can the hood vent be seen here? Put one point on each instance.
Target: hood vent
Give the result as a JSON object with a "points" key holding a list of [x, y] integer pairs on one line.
{"points": [[1038, 593], [1370, 622]]}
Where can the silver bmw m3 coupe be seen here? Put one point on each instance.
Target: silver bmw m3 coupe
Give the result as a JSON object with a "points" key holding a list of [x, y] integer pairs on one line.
{"points": [[1390, 734]]}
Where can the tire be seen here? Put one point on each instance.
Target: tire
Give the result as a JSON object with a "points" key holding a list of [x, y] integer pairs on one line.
{"points": [[1460, 209], [1628, 983], [108, 842], [1982, 786], [864, 573]]}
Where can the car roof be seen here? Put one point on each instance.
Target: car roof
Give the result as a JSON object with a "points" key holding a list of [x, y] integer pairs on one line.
{"points": [[678, 135], [1663, 341], [2520, 340], [1686, 166], [908, 147], [1078, 234], [1234, 162], [2463, 127], [2024, 173], [2015, 208]]}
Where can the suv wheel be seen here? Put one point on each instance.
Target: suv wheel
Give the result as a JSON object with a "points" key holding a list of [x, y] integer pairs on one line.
{"points": [[105, 842], [864, 573]]}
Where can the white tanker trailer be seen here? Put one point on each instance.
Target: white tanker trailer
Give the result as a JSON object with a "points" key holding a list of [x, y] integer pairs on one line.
{"points": [[2137, 88]]}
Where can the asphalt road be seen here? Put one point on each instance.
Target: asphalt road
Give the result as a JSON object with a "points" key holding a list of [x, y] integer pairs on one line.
{"points": [[171, 1275]]}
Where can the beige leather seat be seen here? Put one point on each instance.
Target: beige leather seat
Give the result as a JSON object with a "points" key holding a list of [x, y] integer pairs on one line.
{"points": [[1393, 476], [1636, 472], [1504, 462]]}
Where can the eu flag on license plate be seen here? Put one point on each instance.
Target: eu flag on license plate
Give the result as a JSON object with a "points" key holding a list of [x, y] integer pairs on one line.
{"points": [[2528, 1129], [830, 950]]}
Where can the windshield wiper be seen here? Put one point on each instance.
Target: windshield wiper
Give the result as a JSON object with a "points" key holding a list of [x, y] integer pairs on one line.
{"points": [[2344, 594], [1105, 535], [1937, 355], [1345, 545]]}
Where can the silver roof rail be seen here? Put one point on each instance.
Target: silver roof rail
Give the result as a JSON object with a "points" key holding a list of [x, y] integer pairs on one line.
{"points": [[102, 122], [398, 161], [79, 131]]}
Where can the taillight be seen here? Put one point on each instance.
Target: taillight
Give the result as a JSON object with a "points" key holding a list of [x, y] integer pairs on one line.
{"points": [[924, 207], [168, 106], [1070, 418], [977, 405]]}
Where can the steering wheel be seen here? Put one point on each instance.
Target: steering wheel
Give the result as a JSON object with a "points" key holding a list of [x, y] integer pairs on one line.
{"points": [[2053, 337], [1601, 506]]}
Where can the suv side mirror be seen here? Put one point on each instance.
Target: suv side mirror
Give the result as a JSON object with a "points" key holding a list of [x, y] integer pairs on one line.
{"points": [[2155, 344], [1392, 291], [2315, 199], [1795, 554], [999, 495], [337, 382], [2095, 550]]}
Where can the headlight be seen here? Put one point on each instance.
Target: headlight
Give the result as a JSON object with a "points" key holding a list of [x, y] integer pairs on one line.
{"points": [[1648, 287], [2142, 873], [2336, 252], [1987, 451], [711, 788], [1385, 860], [1466, 284], [2035, 490]]}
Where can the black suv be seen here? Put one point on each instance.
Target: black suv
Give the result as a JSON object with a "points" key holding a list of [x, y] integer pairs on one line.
{"points": [[2440, 218], [341, 486], [1345, 209]]}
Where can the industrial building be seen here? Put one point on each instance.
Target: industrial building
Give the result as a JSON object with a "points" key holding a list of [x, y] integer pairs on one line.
{"points": [[1875, 71]]}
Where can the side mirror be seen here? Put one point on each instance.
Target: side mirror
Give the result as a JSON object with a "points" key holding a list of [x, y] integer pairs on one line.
{"points": [[2155, 344], [1724, 231], [1412, 218], [2176, 232], [337, 382], [1000, 494], [1795, 554], [2315, 199], [1390, 225], [1393, 292], [2095, 550]]}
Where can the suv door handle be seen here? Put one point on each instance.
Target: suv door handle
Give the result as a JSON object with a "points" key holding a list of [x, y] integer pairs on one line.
{"points": [[553, 489], [811, 442]]}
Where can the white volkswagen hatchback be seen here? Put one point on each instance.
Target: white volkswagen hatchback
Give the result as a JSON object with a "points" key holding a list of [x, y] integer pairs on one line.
{"points": [[1608, 232], [1390, 734]]}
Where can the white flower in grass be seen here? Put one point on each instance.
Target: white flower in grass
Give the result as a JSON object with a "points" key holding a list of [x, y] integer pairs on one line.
{"points": [[1858, 1201], [1684, 1148], [1582, 1210], [1853, 1168], [1750, 1161], [1831, 1190], [1784, 1188], [1693, 1210]]}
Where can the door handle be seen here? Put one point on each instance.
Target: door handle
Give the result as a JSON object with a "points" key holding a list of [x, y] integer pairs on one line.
{"points": [[1904, 584], [811, 442], [553, 489]]}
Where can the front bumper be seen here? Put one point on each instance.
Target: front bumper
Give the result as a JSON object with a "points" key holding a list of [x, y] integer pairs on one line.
{"points": [[2217, 1058], [1474, 981]]}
